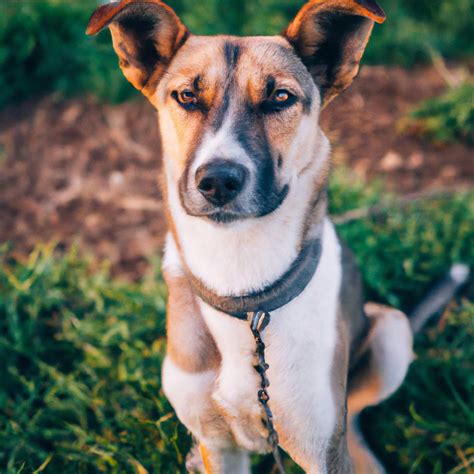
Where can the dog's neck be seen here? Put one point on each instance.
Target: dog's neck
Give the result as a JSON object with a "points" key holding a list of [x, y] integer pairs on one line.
{"points": [[249, 255]]}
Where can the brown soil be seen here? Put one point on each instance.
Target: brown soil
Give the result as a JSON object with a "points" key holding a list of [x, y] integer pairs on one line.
{"points": [[77, 171], [363, 125]]}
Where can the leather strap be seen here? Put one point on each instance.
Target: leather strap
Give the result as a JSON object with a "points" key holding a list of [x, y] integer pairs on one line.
{"points": [[282, 291]]}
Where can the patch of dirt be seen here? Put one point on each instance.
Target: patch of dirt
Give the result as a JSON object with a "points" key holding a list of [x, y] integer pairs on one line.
{"points": [[363, 125], [77, 171]]}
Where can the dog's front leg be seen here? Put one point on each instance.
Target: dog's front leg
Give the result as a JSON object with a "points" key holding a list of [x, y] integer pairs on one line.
{"points": [[189, 393], [220, 461], [190, 371]]}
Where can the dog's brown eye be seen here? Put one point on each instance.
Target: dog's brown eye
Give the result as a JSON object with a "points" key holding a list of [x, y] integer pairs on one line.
{"points": [[278, 100], [185, 98], [281, 96]]}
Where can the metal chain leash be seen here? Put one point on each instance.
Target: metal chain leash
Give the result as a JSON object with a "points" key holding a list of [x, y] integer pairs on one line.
{"points": [[258, 322]]}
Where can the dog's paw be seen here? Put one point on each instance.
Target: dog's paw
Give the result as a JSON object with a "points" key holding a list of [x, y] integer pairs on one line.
{"points": [[245, 418]]}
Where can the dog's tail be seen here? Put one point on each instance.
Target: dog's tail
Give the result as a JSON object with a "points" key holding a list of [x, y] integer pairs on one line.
{"points": [[439, 296]]}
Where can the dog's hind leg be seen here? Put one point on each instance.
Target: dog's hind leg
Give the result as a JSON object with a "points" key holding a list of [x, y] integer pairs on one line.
{"points": [[380, 370]]}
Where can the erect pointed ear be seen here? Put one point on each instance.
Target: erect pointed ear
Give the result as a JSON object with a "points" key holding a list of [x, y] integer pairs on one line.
{"points": [[145, 35], [330, 37]]}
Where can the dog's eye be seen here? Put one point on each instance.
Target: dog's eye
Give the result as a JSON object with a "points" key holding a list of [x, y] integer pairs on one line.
{"points": [[185, 98], [280, 96], [278, 100]]}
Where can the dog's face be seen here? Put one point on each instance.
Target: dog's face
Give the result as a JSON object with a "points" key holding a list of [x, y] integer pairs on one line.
{"points": [[234, 108], [238, 116]]}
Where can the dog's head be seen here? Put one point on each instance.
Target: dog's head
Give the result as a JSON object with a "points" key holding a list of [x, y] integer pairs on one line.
{"points": [[238, 116]]}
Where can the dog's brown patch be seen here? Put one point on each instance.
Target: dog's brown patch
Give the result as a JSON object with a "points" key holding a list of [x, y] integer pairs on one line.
{"points": [[190, 345], [364, 390], [363, 460], [365, 387]]}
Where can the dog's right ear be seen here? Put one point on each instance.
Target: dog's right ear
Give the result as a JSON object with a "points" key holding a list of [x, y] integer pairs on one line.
{"points": [[145, 35]]}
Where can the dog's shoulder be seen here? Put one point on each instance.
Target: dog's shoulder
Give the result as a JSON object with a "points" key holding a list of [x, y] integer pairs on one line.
{"points": [[189, 343]]}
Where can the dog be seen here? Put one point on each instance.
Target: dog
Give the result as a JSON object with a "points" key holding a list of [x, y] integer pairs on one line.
{"points": [[245, 172]]}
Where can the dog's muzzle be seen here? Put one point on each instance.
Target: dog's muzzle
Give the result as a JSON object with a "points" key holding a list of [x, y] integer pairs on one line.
{"points": [[225, 191]]}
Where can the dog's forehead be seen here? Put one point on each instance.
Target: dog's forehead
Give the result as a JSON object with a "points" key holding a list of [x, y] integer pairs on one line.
{"points": [[253, 57]]}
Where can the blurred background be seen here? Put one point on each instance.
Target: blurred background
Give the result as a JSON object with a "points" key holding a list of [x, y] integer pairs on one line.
{"points": [[81, 228]]}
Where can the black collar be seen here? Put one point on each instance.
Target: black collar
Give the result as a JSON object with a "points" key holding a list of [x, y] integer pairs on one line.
{"points": [[282, 291]]}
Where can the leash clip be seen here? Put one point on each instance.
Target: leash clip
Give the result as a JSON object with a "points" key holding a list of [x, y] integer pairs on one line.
{"points": [[259, 321]]}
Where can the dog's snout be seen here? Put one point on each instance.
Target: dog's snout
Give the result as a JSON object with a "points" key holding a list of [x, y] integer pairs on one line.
{"points": [[220, 181]]}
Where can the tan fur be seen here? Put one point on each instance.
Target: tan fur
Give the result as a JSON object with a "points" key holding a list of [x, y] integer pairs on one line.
{"points": [[190, 345], [196, 61], [203, 58], [364, 394], [206, 459], [364, 390], [317, 206], [363, 460]]}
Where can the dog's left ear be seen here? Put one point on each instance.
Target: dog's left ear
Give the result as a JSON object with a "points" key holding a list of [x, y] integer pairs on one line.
{"points": [[145, 35], [330, 37]]}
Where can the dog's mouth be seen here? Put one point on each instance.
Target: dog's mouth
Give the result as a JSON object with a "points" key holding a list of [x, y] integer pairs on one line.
{"points": [[263, 205], [224, 217]]}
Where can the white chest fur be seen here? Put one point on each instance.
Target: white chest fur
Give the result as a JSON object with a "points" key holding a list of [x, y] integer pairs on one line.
{"points": [[250, 254], [300, 342]]}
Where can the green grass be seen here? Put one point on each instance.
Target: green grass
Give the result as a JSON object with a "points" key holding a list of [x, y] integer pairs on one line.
{"points": [[80, 352], [81, 386]]}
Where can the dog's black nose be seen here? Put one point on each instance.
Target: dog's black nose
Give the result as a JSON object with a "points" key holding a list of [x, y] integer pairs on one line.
{"points": [[220, 181]]}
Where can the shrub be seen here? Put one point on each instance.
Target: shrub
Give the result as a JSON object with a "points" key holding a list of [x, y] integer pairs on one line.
{"points": [[413, 28], [43, 49], [447, 118], [403, 250]]}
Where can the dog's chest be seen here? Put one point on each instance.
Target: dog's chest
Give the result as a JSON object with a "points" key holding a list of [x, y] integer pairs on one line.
{"points": [[300, 342]]}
